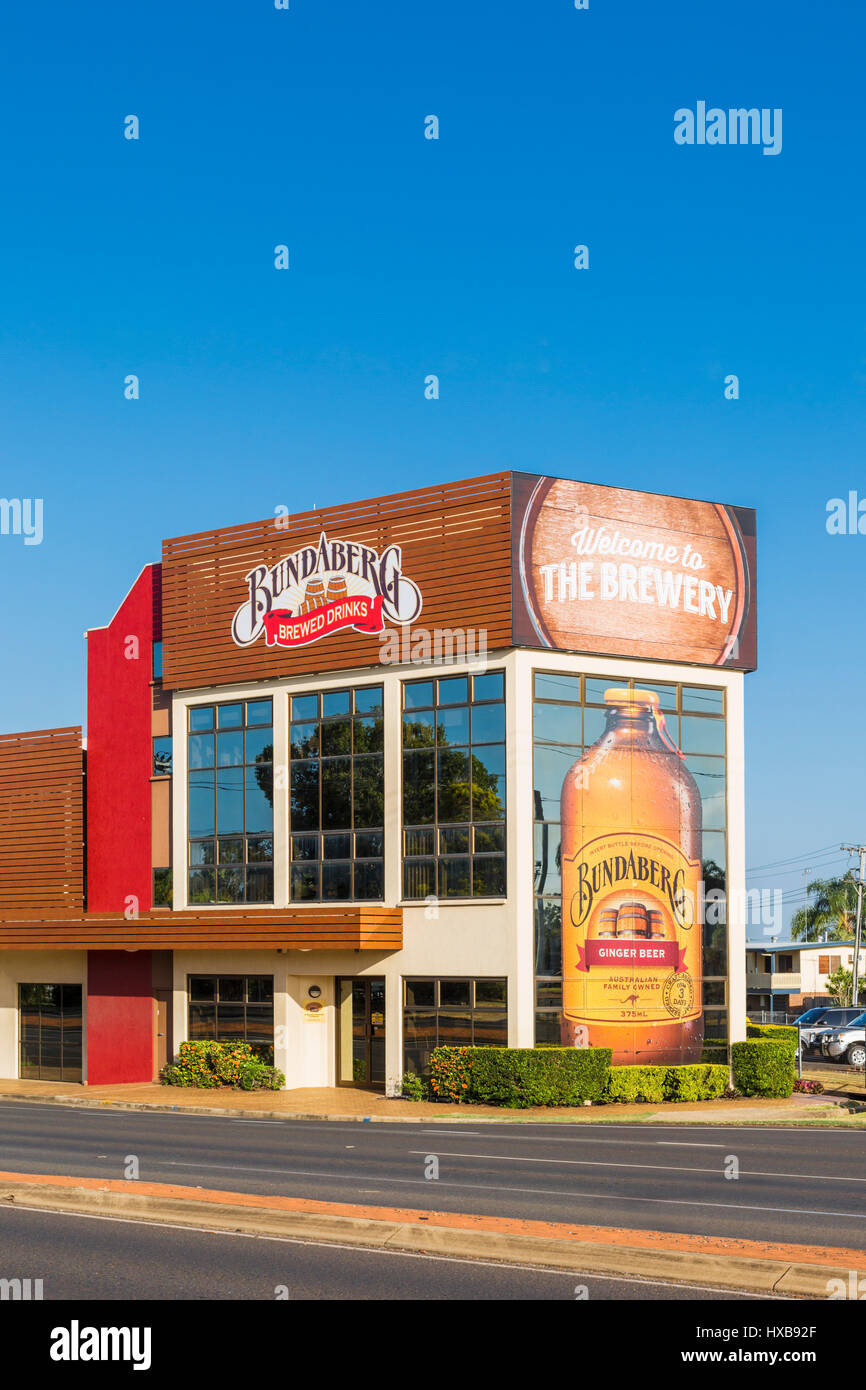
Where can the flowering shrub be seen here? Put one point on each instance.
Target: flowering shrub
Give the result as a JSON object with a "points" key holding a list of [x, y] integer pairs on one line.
{"points": [[812, 1088], [451, 1070], [207, 1065]]}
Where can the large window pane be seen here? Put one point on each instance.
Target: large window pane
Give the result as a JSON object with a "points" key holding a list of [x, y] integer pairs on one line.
{"points": [[230, 801]]}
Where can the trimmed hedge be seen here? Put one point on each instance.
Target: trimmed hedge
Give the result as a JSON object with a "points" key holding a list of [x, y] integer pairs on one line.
{"points": [[764, 1066], [519, 1077], [210, 1064], [655, 1084], [773, 1032]]}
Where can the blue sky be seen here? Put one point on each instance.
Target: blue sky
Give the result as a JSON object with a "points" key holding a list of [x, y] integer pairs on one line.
{"points": [[453, 257]]}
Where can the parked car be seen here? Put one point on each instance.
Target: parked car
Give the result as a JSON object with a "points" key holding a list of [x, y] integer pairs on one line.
{"points": [[812, 1031], [846, 1043]]}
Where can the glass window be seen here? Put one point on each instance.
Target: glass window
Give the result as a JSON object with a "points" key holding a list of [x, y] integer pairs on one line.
{"points": [[337, 787], [162, 888], [454, 1013], [489, 687], [459, 792], [233, 1008], [368, 700], [50, 1032], [230, 804], [162, 757], [157, 661], [418, 695]]}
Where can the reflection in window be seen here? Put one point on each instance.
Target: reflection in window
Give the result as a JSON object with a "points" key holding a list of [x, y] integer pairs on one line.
{"points": [[233, 1008], [452, 1013], [337, 796], [230, 802], [454, 787]]}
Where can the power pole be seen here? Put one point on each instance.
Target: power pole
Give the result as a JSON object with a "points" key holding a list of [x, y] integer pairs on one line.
{"points": [[855, 982], [806, 872]]}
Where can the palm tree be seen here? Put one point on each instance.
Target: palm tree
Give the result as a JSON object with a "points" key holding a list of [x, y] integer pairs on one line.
{"points": [[832, 911]]}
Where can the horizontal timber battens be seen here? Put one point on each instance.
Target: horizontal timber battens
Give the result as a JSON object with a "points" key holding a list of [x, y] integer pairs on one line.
{"points": [[456, 546], [359, 928], [42, 821]]}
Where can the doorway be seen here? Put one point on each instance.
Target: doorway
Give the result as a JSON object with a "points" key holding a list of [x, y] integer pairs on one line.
{"points": [[162, 1049], [50, 1032], [361, 1031]]}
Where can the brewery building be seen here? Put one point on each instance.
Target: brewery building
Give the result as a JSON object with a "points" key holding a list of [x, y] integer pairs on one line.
{"points": [[320, 802]]}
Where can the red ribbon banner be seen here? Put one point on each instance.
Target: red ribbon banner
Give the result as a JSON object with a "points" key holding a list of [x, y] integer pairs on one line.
{"points": [[643, 954], [286, 629]]}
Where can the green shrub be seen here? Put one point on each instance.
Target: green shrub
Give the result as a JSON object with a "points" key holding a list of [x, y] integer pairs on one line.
{"points": [[700, 1081], [413, 1087], [763, 1066], [209, 1064], [654, 1084], [773, 1032], [255, 1076], [519, 1077], [641, 1083]]}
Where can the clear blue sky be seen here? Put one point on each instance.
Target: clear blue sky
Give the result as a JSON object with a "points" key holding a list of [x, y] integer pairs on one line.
{"points": [[409, 256]]}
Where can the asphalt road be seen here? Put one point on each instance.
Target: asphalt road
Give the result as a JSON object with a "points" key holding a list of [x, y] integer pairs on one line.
{"points": [[806, 1186], [85, 1258]]}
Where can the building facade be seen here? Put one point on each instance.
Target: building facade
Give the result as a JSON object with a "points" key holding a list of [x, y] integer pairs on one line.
{"points": [[788, 977], [462, 765]]}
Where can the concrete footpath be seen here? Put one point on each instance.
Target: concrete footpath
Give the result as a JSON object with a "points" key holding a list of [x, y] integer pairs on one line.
{"points": [[347, 1104], [794, 1271]]}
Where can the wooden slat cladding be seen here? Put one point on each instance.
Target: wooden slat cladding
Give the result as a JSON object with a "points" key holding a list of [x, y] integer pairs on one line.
{"points": [[456, 545], [42, 821], [348, 928]]}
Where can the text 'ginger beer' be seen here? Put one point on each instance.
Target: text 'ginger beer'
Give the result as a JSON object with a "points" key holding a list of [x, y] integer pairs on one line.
{"points": [[631, 866]]}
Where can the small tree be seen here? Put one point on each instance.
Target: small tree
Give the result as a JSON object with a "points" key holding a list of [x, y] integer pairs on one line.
{"points": [[840, 986]]}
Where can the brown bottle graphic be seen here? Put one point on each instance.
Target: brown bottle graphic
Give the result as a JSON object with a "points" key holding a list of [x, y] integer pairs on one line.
{"points": [[631, 865]]}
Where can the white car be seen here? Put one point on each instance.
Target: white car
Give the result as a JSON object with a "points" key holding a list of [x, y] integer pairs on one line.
{"points": [[846, 1043]]}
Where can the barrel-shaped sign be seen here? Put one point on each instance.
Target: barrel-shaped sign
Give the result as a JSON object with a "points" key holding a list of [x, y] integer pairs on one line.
{"points": [[627, 573]]}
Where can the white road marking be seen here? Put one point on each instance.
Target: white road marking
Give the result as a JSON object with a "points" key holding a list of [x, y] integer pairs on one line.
{"points": [[536, 1191], [684, 1144], [644, 1167]]}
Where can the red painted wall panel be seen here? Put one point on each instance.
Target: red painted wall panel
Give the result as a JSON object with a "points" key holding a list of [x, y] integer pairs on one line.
{"points": [[119, 752], [119, 1017]]}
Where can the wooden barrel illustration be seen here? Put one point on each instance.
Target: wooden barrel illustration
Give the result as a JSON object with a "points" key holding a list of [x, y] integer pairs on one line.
{"points": [[606, 569], [606, 923], [337, 588], [314, 595], [655, 925], [631, 920]]}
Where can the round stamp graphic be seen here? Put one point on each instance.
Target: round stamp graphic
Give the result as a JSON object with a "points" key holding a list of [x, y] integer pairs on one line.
{"points": [[678, 994]]}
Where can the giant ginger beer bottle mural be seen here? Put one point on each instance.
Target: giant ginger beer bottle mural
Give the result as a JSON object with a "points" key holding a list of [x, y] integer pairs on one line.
{"points": [[631, 865]]}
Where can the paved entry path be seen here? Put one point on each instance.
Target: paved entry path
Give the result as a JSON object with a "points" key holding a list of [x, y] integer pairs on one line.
{"points": [[322, 1102]]}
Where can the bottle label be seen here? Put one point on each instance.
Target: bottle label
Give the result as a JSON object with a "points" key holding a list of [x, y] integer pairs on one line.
{"points": [[631, 943]]}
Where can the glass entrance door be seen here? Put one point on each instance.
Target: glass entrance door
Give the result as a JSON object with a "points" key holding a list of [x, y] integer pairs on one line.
{"points": [[361, 1032], [49, 1032]]}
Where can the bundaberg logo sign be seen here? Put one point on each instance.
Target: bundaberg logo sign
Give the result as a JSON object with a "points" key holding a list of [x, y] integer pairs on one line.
{"points": [[323, 588]]}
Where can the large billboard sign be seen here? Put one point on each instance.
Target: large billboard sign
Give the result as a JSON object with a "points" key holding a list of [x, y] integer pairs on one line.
{"points": [[631, 867], [625, 573]]}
